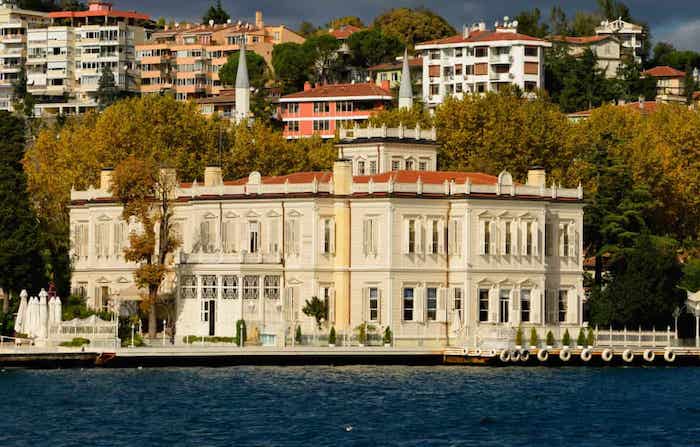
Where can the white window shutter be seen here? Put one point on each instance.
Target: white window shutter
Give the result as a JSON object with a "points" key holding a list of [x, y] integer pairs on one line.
{"points": [[572, 240], [535, 238], [419, 236], [375, 237], [482, 237], [418, 306], [492, 241], [451, 245], [331, 305], [406, 236], [379, 305], [458, 238], [441, 304], [502, 236], [365, 304], [441, 237], [429, 236], [332, 241], [365, 237], [493, 305]]}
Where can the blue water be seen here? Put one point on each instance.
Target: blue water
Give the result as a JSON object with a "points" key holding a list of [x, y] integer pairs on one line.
{"points": [[313, 406]]}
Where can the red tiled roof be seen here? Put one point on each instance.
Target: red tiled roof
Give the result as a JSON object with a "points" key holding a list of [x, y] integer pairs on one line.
{"points": [[344, 31], [482, 36], [579, 40], [341, 90], [664, 71], [430, 177], [297, 177], [412, 62], [99, 13], [644, 107]]}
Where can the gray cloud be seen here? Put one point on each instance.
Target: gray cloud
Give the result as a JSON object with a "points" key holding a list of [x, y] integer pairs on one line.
{"points": [[673, 20]]}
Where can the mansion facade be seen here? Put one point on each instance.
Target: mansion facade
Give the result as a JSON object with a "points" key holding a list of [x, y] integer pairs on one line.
{"points": [[442, 258]]}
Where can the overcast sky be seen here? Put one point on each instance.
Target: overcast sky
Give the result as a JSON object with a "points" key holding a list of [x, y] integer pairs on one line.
{"points": [[676, 21]]}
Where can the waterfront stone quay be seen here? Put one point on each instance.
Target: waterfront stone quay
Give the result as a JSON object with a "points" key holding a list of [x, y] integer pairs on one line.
{"points": [[216, 356]]}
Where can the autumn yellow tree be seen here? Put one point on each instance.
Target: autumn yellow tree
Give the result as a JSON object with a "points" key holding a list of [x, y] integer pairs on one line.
{"points": [[146, 193]]}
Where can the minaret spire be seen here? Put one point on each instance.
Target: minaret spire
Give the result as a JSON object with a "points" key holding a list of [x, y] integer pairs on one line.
{"points": [[242, 87], [406, 88]]}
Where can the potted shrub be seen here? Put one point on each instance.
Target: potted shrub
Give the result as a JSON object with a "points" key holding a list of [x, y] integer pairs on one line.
{"points": [[331, 338], [361, 334], [581, 339], [534, 340], [241, 333], [549, 340], [297, 335], [388, 336], [519, 338], [566, 339], [590, 340]]}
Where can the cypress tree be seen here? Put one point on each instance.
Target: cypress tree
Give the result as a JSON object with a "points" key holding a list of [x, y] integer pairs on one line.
{"points": [[21, 263]]}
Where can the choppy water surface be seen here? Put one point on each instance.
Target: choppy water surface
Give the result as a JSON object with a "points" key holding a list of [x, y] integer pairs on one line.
{"points": [[351, 406]]}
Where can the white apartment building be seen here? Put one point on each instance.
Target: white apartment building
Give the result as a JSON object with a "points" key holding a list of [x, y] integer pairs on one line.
{"points": [[442, 258], [14, 23], [630, 35], [65, 60], [480, 61]]}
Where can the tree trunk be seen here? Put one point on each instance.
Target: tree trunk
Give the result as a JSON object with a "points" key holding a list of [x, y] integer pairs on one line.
{"points": [[152, 320]]}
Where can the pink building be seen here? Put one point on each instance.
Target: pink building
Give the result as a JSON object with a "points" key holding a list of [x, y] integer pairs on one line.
{"points": [[322, 109]]}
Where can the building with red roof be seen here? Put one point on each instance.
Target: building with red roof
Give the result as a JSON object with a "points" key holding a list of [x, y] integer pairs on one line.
{"points": [[480, 61], [608, 50], [322, 109], [441, 258], [670, 83]]}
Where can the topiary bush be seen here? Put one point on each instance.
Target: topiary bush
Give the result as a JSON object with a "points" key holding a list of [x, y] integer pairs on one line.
{"points": [[534, 339], [590, 340], [566, 339], [241, 333], [550, 339], [519, 336], [581, 339], [388, 336], [331, 336], [297, 335]]}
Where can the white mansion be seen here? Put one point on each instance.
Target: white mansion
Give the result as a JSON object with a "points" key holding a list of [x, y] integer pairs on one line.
{"points": [[441, 258]]}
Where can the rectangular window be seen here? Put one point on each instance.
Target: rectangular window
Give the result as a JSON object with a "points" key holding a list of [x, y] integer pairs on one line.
{"points": [[548, 239], [434, 89], [483, 305], [229, 286], [360, 167], [531, 52], [395, 165], [372, 167], [505, 305], [435, 235], [320, 126], [487, 238], [205, 312], [457, 298], [328, 236], [411, 236], [209, 287], [369, 237], [431, 303], [188, 287], [509, 239], [409, 165], [525, 305], [481, 51], [528, 239], [322, 107], [408, 303], [272, 287], [254, 237], [250, 287], [293, 108], [563, 295], [422, 166], [293, 126], [373, 304], [532, 68], [565, 240], [343, 106]]}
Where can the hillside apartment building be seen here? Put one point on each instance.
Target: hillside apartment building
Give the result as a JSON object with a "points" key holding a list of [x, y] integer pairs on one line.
{"points": [[187, 59], [480, 61], [14, 23], [442, 258]]}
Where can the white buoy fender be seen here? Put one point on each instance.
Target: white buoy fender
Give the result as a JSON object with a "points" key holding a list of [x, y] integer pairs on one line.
{"points": [[649, 355], [586, 354], [543, 355], [493, 353], [607, 355], [505, 356], [669, 356], [627, 355], [477, 352], [565, 354], [515, 356], [525, 355]]}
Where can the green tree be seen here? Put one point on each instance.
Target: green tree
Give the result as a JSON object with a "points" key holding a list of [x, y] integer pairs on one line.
{"points": [[216, 13], [107, 92], [258, 71], [372, 47], [408, 117], [584, 24], [291, 63], [529, 23], [332, 336], [21, 261], [297, 335], [643, 287], [307, 29], [566, 339], [613, 9], [534, 339], [322, 51], [413, 26], [691, 275], [317, 309], [146, 194], [339, 22], [558, 22]]}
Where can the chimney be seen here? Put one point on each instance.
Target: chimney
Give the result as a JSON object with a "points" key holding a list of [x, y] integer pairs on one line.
{"points": [[307, 86], [482, 26], [259, 20], [466, 31], [213, 176], [106, 179], [342, 177], [642, 99], [386, 85], [537, 176]]}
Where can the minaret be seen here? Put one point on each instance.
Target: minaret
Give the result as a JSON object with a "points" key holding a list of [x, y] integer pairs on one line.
{"points": [[242, 88], [406, 89]]}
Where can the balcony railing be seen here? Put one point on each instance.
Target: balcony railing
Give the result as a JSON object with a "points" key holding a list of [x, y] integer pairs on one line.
{"points": [[230, 258]]}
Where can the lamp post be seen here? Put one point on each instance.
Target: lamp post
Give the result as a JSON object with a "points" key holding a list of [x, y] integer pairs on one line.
{"points": [[676, 314], [163, 332]]}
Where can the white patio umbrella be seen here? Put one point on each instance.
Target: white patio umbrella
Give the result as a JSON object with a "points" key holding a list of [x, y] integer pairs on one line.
{"points": [[42, 329], [21, 312], [52, 302], [29, 317], [58, 312]]}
